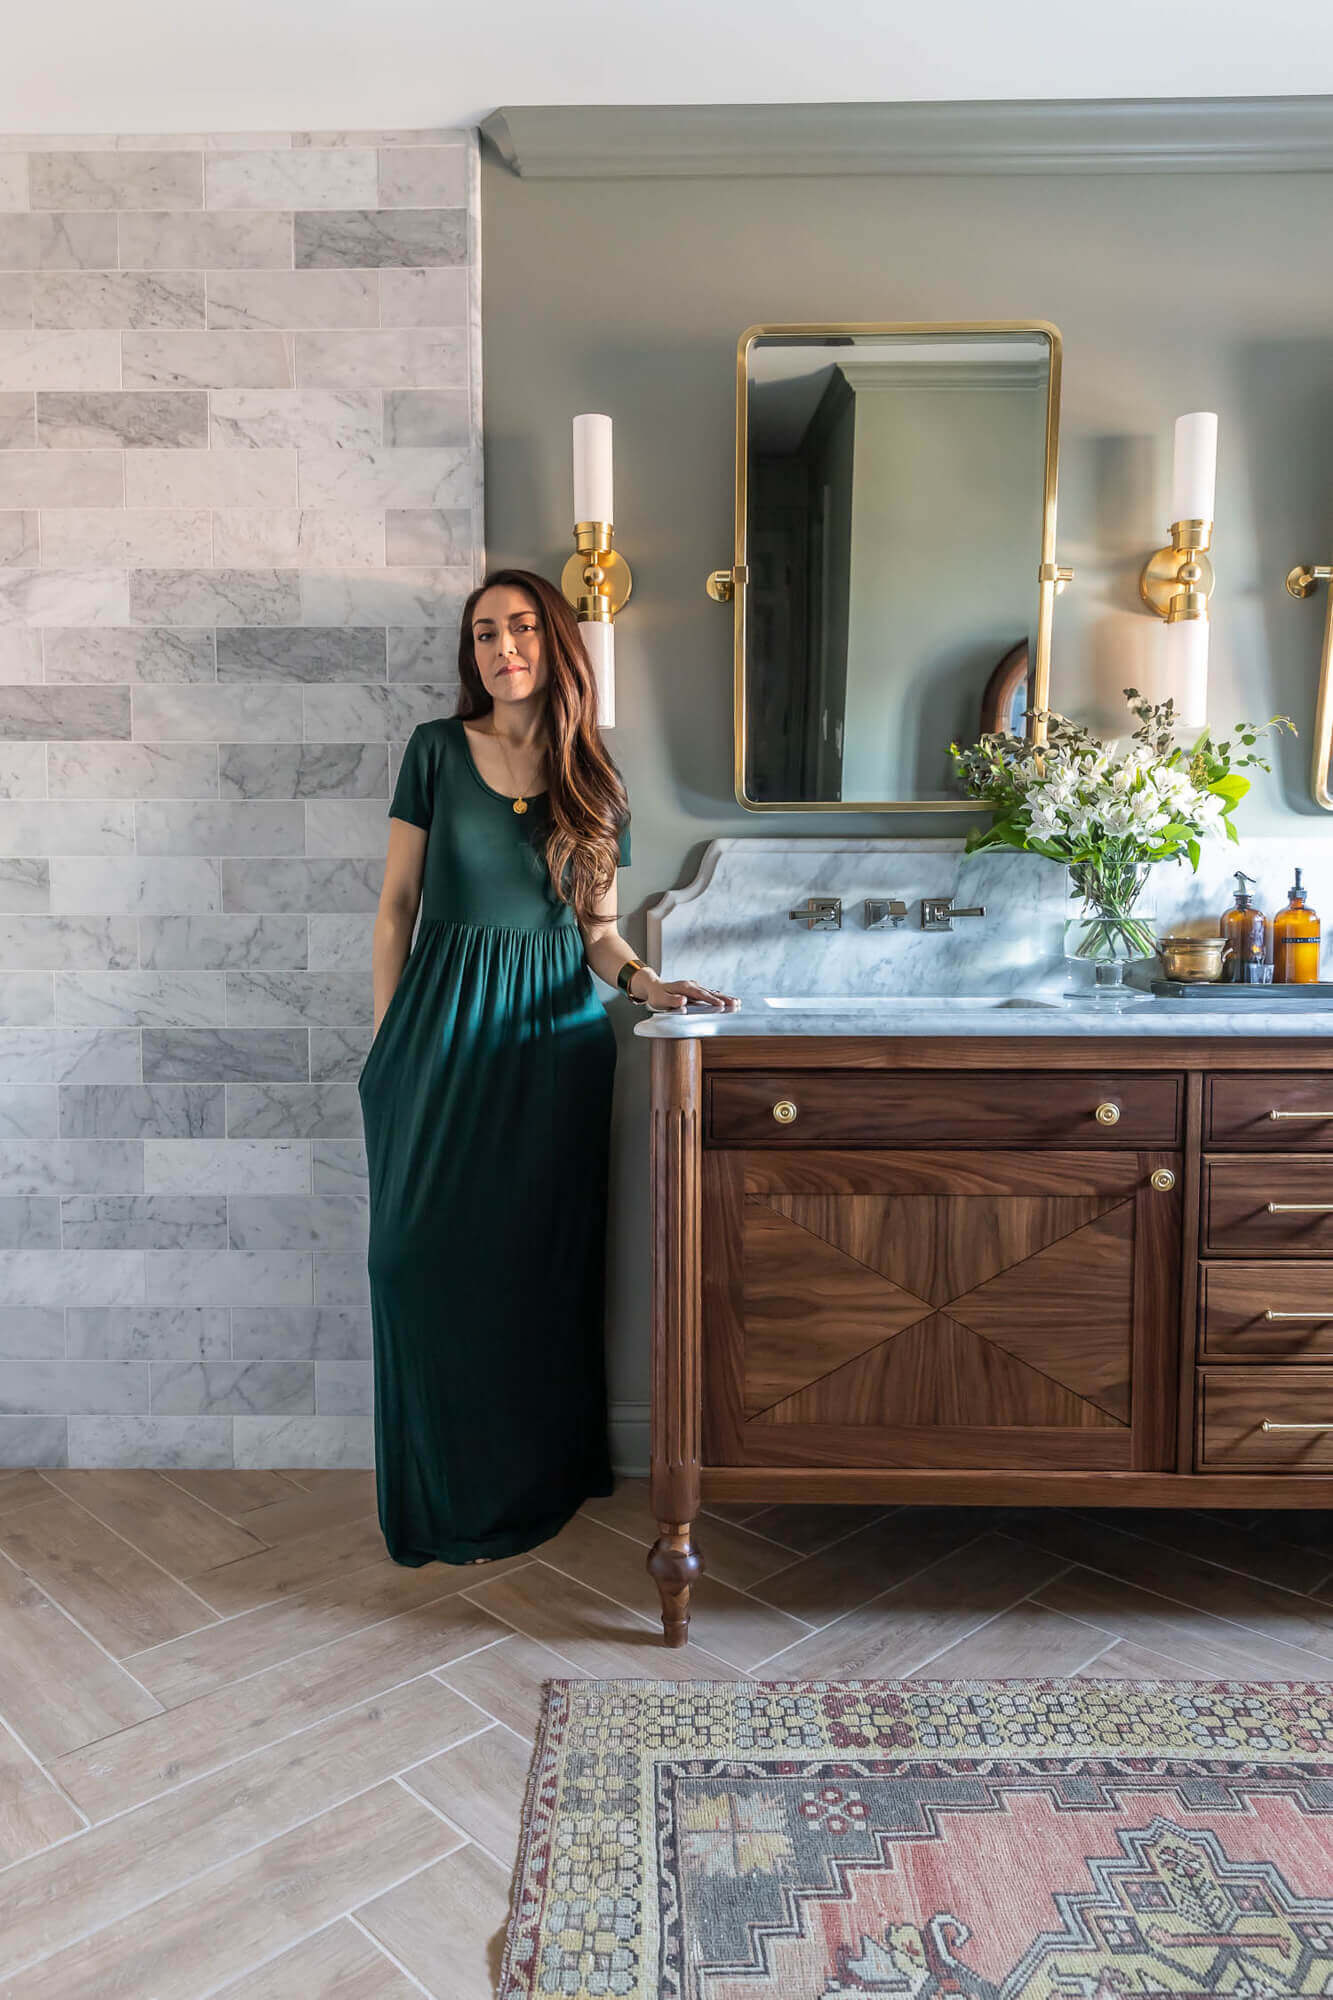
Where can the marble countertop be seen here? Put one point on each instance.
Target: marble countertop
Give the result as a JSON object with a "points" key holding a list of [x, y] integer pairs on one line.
{"points": [[957, 1016]]}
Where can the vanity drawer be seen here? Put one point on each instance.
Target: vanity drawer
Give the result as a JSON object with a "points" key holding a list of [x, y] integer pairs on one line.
{"points": [[1266, 1312], [1234, 1404], [1279, 1208], [965, 1108], [1286, 1111]]}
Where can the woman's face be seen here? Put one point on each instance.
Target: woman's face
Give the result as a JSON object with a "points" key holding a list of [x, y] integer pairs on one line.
{"points": [[507, 642]]}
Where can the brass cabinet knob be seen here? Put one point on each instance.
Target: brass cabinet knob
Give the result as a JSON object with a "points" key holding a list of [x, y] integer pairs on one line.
{"points": [[1163, 1180], [784, 1111], [1107, 1114]]}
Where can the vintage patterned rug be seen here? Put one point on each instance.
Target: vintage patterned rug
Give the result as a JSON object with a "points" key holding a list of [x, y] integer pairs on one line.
{"points": [[991, 1840]]}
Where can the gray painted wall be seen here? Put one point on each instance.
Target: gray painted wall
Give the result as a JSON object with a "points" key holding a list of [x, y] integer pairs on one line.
{"points": [[1192, 292]]}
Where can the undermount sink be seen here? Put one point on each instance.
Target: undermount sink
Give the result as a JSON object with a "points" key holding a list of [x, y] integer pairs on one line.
{"points": [[847, 1003]]}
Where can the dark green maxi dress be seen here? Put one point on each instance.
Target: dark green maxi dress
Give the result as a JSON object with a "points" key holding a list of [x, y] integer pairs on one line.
{"points": [[486, 1100]]}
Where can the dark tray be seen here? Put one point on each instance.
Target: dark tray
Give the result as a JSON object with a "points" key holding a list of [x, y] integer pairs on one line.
{"points": [[1319, 993]]}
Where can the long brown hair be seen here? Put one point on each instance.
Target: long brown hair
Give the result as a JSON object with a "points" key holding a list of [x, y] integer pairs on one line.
{"points": [[586, 793]]}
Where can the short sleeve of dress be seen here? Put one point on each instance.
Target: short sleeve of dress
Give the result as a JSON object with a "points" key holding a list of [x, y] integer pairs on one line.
{"points": [[624, 845], [414, 794]]}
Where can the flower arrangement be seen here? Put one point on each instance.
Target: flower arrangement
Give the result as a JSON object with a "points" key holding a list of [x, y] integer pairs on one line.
{"points": [[1109, 813]]}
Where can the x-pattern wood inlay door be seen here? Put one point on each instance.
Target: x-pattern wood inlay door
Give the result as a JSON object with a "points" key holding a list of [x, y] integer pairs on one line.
{"points": [[906, 1311]]}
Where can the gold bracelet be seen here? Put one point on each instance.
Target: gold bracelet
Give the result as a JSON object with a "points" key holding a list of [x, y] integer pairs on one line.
{"points": [[626, 974]]}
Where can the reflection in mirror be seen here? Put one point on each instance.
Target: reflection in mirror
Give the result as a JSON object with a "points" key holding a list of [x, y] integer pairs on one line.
{"points": [[897, 516]]}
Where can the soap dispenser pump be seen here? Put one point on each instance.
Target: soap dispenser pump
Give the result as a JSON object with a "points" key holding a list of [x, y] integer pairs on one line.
{"points": [[1246, 932], [1296, 940]]}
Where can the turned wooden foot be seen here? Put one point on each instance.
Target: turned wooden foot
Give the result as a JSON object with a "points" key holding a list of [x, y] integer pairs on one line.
{"points": [[675, 1564]]}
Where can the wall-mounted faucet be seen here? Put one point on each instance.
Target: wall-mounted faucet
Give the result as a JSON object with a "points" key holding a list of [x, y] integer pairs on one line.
{"points": [[820, 913], [938, 912], [824, 913]]}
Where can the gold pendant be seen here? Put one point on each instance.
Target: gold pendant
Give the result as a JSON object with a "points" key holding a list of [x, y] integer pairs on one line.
{"points": [[520, 805]]}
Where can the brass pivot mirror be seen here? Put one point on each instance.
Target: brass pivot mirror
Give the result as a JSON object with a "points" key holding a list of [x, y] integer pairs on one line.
{"points": [[895, 571], [1301, 582]]}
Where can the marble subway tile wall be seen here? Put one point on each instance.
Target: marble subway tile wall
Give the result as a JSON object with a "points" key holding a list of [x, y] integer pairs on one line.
{"points": [[240, 506]]}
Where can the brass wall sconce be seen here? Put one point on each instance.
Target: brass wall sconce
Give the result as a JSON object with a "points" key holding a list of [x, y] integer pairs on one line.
{"points": [[1301, 582], [596, 579], [1177, 581]]}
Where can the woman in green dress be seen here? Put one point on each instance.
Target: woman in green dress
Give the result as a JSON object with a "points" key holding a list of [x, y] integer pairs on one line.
{"points": [[486, 1094]]}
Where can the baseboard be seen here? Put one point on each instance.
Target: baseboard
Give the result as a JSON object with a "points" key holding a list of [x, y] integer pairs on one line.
{"points": [[628, 1424]]}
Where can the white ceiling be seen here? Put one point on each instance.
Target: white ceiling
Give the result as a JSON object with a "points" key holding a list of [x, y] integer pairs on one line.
{"points": [[180, 66]]}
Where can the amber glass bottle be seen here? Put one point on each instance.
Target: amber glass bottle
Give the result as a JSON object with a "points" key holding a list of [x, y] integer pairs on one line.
{"points": [[1245, 930], [1296, 941]]}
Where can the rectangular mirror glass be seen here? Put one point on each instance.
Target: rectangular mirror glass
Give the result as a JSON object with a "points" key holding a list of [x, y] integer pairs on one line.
{"points": [[895, 524]]}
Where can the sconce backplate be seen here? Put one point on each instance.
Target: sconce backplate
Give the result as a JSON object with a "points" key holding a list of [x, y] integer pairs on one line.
{"points": [[1160, 581], [617, 579]]}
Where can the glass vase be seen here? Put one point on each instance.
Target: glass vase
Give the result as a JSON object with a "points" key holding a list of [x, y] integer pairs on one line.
{"points": [[1108, 925]]}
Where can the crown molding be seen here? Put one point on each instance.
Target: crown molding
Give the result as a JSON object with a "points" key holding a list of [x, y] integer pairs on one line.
{"points": [[1086, 136]]}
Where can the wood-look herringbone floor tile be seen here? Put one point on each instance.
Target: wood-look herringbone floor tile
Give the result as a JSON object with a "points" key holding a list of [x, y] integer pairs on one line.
{"points": [[248, 1909], [246, 1644], [234, 1491], [315, 1784], [1027, 1642], [202, 1735], [479, 1786], [446, 1925], [506, 1679], [1211, 1648], [58, 1687], [132, 1860], [872, 1559], [1185, 1579], [909, 1625], [120, 1597], [20, 1489], [340, 1963], [166, 1524], [33, 1811]]}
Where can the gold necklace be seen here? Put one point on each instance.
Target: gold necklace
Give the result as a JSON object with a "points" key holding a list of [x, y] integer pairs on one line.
{"points": [[520, 803]]}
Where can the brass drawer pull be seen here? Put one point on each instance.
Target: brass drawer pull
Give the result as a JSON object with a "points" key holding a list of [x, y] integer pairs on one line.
{"points": [[1300, 1207], [1107, 1114], [1300, 1114], [784, 1111], [1270, 1314], [1163, 1180], [1267, 1426]]}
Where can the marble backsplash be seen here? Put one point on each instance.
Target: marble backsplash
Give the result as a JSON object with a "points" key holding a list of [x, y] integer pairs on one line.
{"points": [[729, 927]]}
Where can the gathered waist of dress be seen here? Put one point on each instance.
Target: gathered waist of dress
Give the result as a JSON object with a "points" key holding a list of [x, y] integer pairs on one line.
{"points": [[560, 928]]}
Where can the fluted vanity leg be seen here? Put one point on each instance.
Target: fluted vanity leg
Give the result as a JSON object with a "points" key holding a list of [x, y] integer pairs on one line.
{"points": [[674, 1562]]}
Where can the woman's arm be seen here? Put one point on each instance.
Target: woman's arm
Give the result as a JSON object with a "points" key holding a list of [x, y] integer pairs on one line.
{"points": [[606, 951], [395, 918]]}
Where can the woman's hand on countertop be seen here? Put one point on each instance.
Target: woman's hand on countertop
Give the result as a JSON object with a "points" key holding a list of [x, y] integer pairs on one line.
{"points": [[671, 995]]}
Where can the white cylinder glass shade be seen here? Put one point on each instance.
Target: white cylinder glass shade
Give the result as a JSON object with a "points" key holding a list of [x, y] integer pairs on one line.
{"points": [[594, 498], [1186, 652], [1194, 467], [600, 641]]}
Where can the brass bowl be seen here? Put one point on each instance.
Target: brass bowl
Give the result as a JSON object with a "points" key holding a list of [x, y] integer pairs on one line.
{"points": [[1191, 957]]}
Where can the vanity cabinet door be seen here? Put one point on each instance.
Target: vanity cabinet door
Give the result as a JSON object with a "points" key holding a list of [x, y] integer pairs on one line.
{"points": [[940, 1309]]}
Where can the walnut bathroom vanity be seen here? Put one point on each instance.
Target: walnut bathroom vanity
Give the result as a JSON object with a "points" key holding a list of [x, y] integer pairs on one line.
{"points": [[1090, 1268]]}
